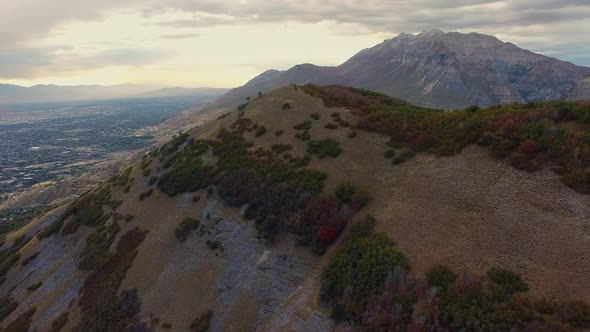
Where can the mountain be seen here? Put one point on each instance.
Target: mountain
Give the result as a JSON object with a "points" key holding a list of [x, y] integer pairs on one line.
{"points": [[437, 69], [13, 94], [179, 91], [311, 210]]}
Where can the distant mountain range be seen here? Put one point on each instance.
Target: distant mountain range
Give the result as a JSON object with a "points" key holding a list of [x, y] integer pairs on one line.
{"points": [[437, 69], [10, 94]]}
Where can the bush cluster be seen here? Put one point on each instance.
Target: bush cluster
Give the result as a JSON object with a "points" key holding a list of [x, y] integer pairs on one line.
{"points": [[324, 148], [186, 227]]}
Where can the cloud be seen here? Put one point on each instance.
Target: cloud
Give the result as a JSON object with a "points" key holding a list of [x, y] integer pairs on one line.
{"points": [[554, 27], [179, 36], [31, 63]]}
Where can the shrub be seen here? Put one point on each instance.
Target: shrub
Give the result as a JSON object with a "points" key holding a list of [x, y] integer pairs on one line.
{"points": [[303, 136], [440, 276], [305, 125], [186, 227], [280, 148], [53, 228], [406, 155], [35, 286], [214, 245], [528, 147], [260, 131], [359, 200], [146, 172], [390, 153], [279, 133], [127, 188], [59, 323], [96, 248], [315, 116], [202, 323], [146, 194], [358, 271], [286, 106], [324, 148], [7, 306], [344, 192], [331, 125], [335, 114], [195, 198], [352, 134], [22, 322], [152, 180], [29, 259], [507, 281], [576, 313]]}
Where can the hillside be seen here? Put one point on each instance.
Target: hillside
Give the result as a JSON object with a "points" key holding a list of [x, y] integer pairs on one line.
{"points": [[437, 69], [282, 215]]}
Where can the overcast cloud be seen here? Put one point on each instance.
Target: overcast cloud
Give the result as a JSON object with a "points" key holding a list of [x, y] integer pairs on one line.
{"points": [[33, 32]]}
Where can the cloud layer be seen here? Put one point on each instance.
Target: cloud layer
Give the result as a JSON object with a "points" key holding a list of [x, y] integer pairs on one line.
{"points": [[556, 28]]}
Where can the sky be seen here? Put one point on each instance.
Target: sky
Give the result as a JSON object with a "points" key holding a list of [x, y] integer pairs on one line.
{"points": [[224, 43]]}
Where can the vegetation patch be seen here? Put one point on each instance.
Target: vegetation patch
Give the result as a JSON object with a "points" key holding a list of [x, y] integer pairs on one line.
{"points": [[305, 125], [7, 306], [96, 249], [35, 286], [103, 309], [331, 125], [22, 322], [324, 148], [529, 136], [186, 227], [279, 133], [146, 194], [367, 284], [260, 131], [202, 323], [303, 135], [188, 173], [315, 116], [29, 259], [59, 323]]}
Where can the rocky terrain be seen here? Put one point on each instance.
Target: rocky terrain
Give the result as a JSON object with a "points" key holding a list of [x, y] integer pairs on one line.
{"points": [[170, 245], [441, 70]]}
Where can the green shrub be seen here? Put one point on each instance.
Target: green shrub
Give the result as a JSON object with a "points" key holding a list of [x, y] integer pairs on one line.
{"points": [[315, 116], [260, 131], [352, 134], [96, 249], [186, 227], [305, 125], [279, 133], [344, 192], [335, 114], [127, 188], [331, 125], [358, 271], [389, 153], [146, 172], [324, 148], [280, 148], [507, 281], [303, 136], [403, 157], [202, 323], [440, 276], [35, 286]]}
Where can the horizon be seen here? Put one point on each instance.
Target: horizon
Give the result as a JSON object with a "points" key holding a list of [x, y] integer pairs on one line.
{"points": [[225, 44]]}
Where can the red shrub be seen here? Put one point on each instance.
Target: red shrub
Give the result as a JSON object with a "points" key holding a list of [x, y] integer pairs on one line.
{"points": [[328, 233], [528, 147]]}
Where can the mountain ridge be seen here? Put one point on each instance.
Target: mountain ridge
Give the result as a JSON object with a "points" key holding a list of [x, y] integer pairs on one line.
{"points": [[437, 69]]}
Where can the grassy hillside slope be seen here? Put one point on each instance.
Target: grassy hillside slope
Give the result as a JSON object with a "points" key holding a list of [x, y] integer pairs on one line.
{"points": [[250, 221]]}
